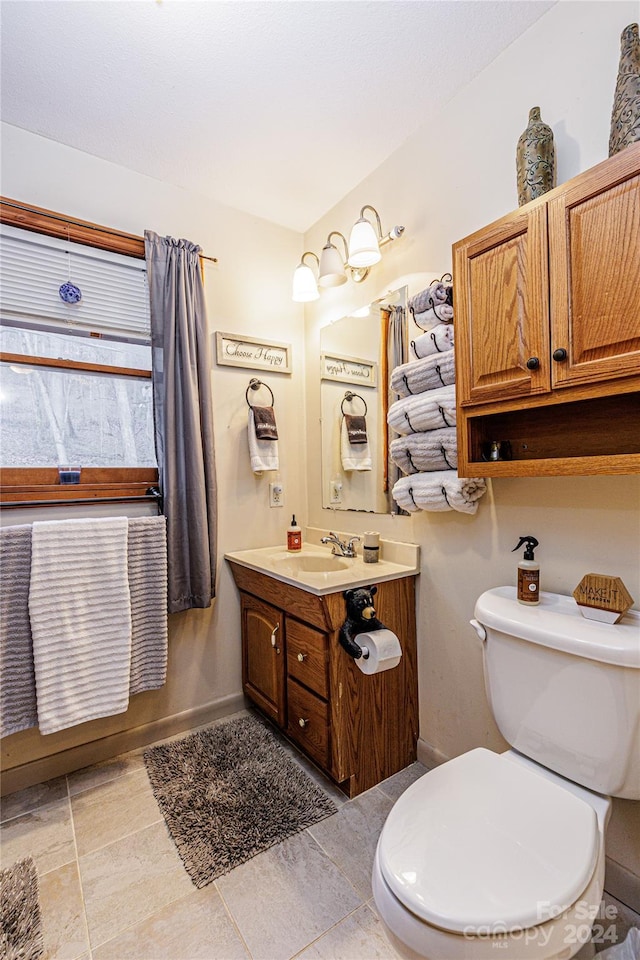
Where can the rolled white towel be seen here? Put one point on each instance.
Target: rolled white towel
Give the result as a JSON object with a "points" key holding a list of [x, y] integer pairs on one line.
{"points": [[426, 411], [436, 292], [420, 452], [438, 492], [437, 340], [440, 313], [426, 374]]}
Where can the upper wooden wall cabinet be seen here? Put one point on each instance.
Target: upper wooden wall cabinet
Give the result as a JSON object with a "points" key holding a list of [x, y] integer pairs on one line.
{"points": [[547, 317]]}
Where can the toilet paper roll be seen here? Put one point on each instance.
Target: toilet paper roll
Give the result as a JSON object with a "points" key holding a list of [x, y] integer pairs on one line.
{"points": [[383, 649]]}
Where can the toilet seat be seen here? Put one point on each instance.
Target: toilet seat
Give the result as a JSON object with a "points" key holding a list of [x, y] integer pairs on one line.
{"points": [[514, 853]]}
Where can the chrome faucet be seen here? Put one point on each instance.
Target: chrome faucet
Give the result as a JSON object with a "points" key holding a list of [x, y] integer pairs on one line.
{"points": [[339, 547]]}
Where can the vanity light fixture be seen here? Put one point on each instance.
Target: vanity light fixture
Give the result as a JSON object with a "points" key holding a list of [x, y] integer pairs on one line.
{"points": [[305, 287], [362, 252]]}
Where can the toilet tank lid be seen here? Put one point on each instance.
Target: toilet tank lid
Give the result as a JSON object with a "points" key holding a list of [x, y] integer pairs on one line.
{"points": [[556, 622]]}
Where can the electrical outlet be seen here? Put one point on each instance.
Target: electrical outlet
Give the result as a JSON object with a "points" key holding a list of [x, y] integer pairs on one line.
{"points": [[276, 494], [335, 492]]}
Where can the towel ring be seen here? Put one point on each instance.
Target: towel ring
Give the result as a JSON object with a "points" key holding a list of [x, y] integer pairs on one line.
{"points": [[255, 384], [348, 397]]}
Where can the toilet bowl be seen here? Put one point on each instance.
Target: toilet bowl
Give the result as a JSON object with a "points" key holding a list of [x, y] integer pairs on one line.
{"points": [[491, 855], [502, 855]]}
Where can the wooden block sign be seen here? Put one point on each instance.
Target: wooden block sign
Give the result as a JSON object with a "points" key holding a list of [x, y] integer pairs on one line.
{"points": [[603, 598]]}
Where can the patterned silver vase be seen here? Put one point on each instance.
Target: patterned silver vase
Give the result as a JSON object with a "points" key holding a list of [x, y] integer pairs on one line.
{"points": [[535, 159], [625, 116]]}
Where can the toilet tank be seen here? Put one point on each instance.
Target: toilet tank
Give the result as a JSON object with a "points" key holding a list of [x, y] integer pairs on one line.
{"points": [[565, 690]]}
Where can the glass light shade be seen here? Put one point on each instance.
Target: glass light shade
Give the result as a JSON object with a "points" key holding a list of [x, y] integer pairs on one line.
{"points": [[332, 272], [363, 245], [305, 287]]}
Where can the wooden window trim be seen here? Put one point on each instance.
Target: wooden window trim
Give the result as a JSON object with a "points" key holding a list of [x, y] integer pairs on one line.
{"points": [[31, 484], [30, 361]]}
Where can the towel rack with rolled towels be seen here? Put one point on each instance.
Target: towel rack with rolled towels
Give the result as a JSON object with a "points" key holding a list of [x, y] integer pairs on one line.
{"points": [[349, 397]]}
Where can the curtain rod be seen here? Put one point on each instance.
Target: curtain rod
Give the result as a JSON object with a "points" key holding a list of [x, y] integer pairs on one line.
{"points": [[87, 226]]}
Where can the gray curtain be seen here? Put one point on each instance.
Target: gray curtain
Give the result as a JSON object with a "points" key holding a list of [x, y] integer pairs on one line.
{"points": [[183, 414]]}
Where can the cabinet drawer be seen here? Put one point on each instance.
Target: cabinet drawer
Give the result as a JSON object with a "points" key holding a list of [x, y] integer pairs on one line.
{"points": [[307, 657], [308, 722]]}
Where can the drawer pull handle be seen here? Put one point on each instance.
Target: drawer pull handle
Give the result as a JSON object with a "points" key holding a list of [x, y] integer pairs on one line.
{"points": [[273, 634], [559, 355], [302, 657], [533, 363], [302, 723]]}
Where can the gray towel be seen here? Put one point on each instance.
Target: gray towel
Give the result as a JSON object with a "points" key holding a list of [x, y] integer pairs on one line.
{"points": [[426, 374], [17, 677], [426, 452], [147, 571], [265, 421], [436, 293]]}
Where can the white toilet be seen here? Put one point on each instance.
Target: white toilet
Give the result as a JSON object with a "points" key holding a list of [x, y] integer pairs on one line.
{"points": [[502, 856]]}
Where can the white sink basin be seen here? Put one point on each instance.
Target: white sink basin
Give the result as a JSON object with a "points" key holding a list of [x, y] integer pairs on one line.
{"points": [[316, 570], [309, 563]]}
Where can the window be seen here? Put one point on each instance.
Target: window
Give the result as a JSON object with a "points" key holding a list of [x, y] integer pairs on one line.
{"points": [[75, 377]]}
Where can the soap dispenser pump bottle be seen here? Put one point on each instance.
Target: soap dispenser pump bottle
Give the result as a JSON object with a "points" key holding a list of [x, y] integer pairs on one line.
{"points": [[294, 536], [528, 572]]}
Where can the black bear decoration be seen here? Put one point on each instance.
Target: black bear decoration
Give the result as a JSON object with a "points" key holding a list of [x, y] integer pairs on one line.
{"points": [[361, 618]]}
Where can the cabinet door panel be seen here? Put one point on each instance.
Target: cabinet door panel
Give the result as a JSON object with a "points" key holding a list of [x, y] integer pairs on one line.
{"points": [[263, 660], [307, 656], [594, 233], [501, 310], [309, 722]]}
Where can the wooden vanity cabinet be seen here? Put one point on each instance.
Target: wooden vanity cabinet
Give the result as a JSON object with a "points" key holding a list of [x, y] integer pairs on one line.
{"points": [[358, 729], [547, 317]]}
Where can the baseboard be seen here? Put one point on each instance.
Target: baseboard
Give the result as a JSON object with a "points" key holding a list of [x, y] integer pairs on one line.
{"points": [[622, 884], [428, 755], [85, 754]]}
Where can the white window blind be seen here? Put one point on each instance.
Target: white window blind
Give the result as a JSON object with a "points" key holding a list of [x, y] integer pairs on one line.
{"points": [[33, 267]]}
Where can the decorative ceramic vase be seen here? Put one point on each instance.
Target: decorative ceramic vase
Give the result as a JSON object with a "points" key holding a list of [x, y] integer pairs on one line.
{"points": [[625, 116], [535, 159]]}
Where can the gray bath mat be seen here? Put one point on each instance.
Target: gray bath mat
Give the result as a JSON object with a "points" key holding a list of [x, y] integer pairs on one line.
{"points": [[230, 792], [20, 923]]}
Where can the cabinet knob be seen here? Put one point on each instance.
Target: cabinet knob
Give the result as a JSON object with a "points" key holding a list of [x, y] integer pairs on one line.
{"points": [[302, 657], [533, 363], [302, 723], [559, 355]]}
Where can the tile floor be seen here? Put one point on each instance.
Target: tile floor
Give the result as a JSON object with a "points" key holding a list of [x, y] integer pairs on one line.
{"points": [[112, 886]]}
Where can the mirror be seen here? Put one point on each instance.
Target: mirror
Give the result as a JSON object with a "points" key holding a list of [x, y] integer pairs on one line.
{"points": [[357, 355]]}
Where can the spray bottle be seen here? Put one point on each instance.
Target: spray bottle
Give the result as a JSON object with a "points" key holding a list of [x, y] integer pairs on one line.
{"points": [[528, 572]]}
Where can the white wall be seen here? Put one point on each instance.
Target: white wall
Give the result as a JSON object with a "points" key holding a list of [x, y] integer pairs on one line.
{"points": [[248, 292], [456, 174]]}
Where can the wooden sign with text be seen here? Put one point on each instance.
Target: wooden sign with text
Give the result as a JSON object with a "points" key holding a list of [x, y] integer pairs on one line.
{"points": [[601, 597]]}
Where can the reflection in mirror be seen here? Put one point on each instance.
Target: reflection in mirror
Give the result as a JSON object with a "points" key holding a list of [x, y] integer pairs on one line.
{"points": [[358, 353]]}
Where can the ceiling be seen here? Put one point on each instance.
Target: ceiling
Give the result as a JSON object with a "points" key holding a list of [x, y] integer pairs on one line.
{"points": [[275, 107]]}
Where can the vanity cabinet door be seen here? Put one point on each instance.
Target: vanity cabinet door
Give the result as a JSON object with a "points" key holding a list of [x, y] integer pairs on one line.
{"points": [[263, 657]]}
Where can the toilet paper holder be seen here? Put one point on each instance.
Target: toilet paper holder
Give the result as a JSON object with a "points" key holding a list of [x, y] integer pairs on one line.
{"points": [[361, 618]]}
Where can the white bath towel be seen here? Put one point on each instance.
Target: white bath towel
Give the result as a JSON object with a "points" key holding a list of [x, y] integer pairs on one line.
{"points": [[437, 340], [439, 491], [354, 456], [17, 679], [263, 453], [426, 374], [425, 411], [80, 620], [420, 452], [440, 313], [147, 576], [436, 292]]}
